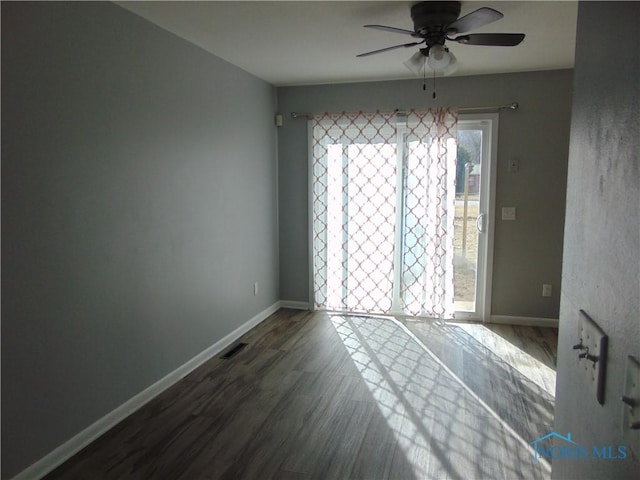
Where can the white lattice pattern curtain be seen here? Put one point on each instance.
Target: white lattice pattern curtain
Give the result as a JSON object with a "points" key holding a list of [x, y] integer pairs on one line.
{"points": [[383, 201], [428, 213]]}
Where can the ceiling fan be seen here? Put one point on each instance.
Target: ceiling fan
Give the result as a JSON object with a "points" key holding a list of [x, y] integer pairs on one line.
{"points": [[436, 22]]}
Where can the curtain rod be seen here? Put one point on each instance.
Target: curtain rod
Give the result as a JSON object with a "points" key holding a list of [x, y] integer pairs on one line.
{"points": [[511, 106]]}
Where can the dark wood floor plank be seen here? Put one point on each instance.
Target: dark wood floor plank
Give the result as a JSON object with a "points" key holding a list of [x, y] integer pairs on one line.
{"points": [[376, 454], [322, 425]]}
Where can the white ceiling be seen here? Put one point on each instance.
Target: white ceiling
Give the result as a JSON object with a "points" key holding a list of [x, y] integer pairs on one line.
{"points": [[308, 42]]}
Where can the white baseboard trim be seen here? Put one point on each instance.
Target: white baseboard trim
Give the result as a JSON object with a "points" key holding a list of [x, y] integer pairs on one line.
{"points": [[72, 446], [525, 321], [294, 304]]}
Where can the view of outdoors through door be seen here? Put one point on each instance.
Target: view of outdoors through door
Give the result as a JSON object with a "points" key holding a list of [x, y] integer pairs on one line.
{"points": [[467, 218]]}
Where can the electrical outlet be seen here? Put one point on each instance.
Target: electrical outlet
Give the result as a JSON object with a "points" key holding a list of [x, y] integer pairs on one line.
{"points": [[546, 289], [592, 354], [514, 165], [631, 405]]}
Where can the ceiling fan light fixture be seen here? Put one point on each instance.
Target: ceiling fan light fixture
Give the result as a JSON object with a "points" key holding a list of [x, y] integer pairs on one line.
{"points": [[453, 65], [416, 62], [439, 57]]}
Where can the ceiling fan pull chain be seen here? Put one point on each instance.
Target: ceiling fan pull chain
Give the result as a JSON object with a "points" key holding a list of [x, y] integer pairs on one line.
{"points": [[434, 84]]}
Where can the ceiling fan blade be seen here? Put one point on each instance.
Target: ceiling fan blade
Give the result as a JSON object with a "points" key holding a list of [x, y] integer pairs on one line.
{"points": [[491, 39], [404, 45], [391, 29], [476, 19]]}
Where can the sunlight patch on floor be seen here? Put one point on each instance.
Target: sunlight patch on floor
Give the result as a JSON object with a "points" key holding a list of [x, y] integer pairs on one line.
{"points": [[533, 369], [443, 428]]}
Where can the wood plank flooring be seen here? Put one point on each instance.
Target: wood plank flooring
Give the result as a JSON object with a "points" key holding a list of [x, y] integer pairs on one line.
{"points": [[319, 396], [511, 368]]}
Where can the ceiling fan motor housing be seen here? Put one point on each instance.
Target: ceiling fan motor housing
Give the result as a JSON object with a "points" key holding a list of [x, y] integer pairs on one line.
{"points": [[430, 19]]}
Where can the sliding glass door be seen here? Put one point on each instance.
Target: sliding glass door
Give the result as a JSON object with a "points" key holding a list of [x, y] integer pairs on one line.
{"points": [[475, 188], [390, 230]]}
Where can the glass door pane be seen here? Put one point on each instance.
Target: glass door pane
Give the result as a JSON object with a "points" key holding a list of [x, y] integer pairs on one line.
{"points": [[467, 218], [477, 137]]}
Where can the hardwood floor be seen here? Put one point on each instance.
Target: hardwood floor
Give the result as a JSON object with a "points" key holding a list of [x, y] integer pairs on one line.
{"points": [[319, 396], [510, 368]]}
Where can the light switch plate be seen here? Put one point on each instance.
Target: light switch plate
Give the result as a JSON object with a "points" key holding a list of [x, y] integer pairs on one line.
{"points": [[592, 356], [631, 413], [508, 213]]}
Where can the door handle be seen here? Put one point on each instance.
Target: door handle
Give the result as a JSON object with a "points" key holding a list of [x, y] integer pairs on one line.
{"points": [[480, 222]]}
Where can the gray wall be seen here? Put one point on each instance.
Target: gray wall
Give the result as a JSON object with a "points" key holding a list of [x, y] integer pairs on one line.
{"points": [[528, 252], [138, 208], [602, 234]]}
